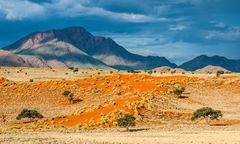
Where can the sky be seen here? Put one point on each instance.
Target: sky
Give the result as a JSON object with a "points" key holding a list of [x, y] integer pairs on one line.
{"points": [[176, 29]]}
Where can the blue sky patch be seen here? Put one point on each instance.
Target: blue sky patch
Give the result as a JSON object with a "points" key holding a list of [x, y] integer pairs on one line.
{"points": [[176, 29]]}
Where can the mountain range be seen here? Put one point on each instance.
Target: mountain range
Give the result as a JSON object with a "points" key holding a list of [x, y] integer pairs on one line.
{"points": [[203, 61], [76, 47]]}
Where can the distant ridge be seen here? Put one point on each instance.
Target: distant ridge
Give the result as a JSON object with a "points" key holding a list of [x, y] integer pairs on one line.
{"points": [[203, 61]]}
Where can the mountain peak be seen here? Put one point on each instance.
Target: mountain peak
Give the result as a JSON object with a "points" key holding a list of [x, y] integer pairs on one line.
{"points": [[215, 56], [204, 56], [79, 28], [75, 45]]}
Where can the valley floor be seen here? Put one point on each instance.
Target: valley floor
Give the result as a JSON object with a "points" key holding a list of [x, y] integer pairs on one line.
{"points": [[173, 135]]}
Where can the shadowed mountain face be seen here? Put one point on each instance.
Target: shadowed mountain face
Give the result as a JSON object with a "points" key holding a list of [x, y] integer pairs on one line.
{"points": [[203, 61], [76, 47], [10, 59]]}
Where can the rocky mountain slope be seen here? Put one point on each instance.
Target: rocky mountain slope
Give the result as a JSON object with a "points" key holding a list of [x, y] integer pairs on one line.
{"points": [[8, 58], [203, 61], [74, 46]]}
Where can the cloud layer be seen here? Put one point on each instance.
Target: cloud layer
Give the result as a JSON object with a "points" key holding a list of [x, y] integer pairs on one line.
{"points": [[26, 9], [18, 10], [177, 29]]}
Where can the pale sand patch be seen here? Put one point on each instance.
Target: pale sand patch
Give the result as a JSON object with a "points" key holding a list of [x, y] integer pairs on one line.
{"points": [[186, 135]]}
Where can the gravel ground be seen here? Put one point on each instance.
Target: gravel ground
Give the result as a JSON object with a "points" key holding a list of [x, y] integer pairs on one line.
{"points": [[184, 135]]}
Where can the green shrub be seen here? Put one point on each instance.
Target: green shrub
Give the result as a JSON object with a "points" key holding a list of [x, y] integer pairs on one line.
{"points": [[31, 80], [71, 68], [126, 121], [133, 71], [178, 91], [173, 72], [207, 113], [66, 93], [31, 114], [70, 97], [220, 72], [150, 72], [75, 70]]}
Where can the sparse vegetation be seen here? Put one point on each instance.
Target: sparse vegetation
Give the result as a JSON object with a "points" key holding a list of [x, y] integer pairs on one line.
{"points": [[178, 91], [66, 93], [133, 71], [71, 68], [150, 72], [147, 98], [173, 71], [126, 121], [75, 70], [30, 114], [207, 113], [220, 72], [70, 97]]}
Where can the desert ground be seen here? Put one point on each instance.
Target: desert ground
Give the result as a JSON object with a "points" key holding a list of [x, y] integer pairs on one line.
{"points": [[101, 97], [185, 135]]}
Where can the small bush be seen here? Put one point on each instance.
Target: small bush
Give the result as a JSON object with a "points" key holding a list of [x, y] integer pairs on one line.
{"points": [[207, 113], [178, 91], [75, 70], [70, 97], [173, 72], [150, 72], [66, 93], [220, 72], [31, 80], [133, 71], [71, 68], [126, 121], [31, 114]]}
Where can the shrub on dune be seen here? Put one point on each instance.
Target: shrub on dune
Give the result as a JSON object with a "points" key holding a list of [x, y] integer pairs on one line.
{"points": [[207, 113], [126, 121], [30, 114]]}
